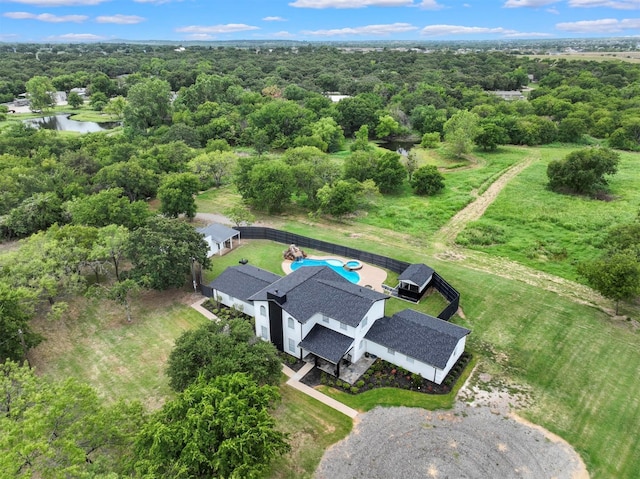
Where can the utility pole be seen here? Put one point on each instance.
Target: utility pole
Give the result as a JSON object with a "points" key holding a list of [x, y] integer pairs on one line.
{"points": [[24, 347]]}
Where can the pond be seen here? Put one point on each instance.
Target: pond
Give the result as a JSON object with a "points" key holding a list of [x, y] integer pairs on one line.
{"points": [[402, 147], [62, 122]]}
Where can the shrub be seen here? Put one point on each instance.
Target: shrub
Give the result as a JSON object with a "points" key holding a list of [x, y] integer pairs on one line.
{"points": [[354, 390], [360, 383]]}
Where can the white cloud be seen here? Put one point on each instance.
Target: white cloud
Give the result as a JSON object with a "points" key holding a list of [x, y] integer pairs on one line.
{"points": [[430, 5], [76, 37], [553, 10], [528, 35], [435, 30], [46, 17], [120, 19], [350, 3], [274, 19], [212, 29], [283, 34], [366, 30], [604, 25], [617, 4], [59, 3], [466, 5], [528, 3]]}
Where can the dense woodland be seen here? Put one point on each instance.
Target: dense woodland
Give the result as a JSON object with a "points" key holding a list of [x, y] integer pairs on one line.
{"points": [[261, 120]]}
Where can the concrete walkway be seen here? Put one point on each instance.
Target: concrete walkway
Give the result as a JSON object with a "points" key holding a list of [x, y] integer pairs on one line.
{"points": [[294, 377], [204, 311], [294, 382]]}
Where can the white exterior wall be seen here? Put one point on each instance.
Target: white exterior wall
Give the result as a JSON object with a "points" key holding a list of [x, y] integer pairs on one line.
{"points": [[245, 307], [295, 334], [213, 246], [427, 371], [261, 320], [375, 312]]}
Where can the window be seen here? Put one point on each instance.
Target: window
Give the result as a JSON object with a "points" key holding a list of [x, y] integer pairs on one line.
{"points": [[409, 360], [263, 310], [343, 326], [325, 319], [391, 351], [263, 332], [291, 325], [364, 322], [292, 345], [361, 344]]}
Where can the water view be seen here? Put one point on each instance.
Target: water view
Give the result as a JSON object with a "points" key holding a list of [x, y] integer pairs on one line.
{"points": [[62, 122]]}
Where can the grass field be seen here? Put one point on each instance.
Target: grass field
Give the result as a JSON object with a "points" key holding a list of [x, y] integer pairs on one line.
{"points": [[420, 216], [549, 231]]}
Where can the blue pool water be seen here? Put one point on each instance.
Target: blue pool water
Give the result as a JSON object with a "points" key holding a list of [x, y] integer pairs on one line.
{"points": [[334, 264]]}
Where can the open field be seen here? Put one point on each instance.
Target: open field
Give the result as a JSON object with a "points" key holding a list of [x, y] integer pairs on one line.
{"points": [[630, 57], [549, 231]]}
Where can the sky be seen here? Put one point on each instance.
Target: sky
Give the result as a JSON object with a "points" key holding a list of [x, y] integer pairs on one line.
{"points": [[315, 20]]}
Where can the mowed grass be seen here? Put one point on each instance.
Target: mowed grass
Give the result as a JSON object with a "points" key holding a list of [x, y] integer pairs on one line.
{"points": [[312, 428], [120, 360], [424, 215], [582, 369], [550, 231]]}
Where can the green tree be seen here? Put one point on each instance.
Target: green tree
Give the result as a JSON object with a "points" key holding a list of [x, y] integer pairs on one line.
{"points": [[34, 214], [74, 100], [61, 430], [122, 292], [16, 309], [270, 185], [328, 130], [390, 173], [136, 181], [222, 347], [148, 104], [339, 199], [361, 142], [213, 168], [110, 245], [40, 92], [176, 194], [239, 214], [116, 107], [387, 127], [430, 140], [163, 251], [213, 429], [460, 131], [107, 207], [490, 136], [98, 101], [615, 276], [360, 166], [427, 180], [583, 171], [570, 130]]}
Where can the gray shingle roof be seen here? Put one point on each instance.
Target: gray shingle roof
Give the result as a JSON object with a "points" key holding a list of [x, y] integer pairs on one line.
{"points": [[319, 289], [243, 281], [416, 273], [417, 335], [326, 343], [219, 233]]}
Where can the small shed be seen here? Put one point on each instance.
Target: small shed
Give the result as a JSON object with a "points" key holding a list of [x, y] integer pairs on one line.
{"points": [[414, 280], [219, 237]]}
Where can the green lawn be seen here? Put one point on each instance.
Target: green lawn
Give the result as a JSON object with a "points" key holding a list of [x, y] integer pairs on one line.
{"points": [[118, 359], [312, 428], [423, 216], [549, 231]]}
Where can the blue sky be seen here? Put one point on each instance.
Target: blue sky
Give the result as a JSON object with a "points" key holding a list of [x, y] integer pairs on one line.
{"points": [[338, 20]]}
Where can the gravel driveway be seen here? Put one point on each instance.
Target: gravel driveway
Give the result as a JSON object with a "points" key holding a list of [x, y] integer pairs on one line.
{"points": [[466, 442]]}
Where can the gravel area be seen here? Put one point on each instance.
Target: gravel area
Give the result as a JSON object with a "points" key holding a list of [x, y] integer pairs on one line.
{"points": [[466, 442]]}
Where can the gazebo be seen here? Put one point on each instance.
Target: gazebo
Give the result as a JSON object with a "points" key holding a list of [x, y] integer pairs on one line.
{"points": [[219, 237]]}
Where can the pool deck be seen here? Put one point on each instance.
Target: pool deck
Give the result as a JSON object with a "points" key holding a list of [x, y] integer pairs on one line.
{"points": [[369, 275]]}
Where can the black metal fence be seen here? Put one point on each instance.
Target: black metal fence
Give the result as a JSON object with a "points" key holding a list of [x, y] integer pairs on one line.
{"points": [[284, 237]]}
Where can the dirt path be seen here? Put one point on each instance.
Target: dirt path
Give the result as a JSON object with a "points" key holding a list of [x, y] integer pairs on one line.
{"points": [[445, 248], [476, 209]]}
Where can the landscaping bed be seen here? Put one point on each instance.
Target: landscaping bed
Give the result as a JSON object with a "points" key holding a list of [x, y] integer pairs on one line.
{"points": [[383, 374]]}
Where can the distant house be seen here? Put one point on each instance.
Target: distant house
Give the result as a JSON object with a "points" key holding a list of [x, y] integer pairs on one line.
{"points": [[509, 95], [413, 281], [316, 314], [218, 237]]}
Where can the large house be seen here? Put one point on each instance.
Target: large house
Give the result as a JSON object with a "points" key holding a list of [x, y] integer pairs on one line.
{"points": [[316, 313]]}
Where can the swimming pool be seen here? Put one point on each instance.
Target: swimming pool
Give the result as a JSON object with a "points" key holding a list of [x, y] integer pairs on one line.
{"points": [[334, 264]]}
